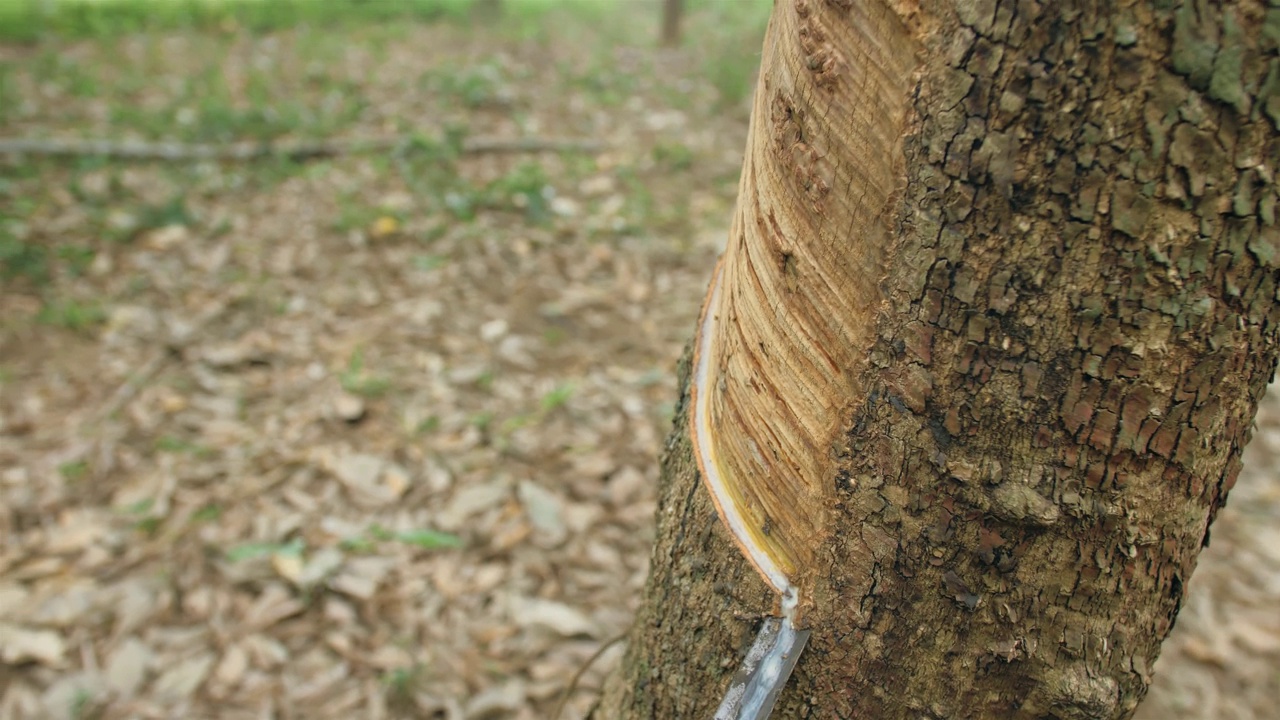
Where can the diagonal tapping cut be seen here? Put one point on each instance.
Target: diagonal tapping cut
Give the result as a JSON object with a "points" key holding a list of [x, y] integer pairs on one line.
{"points": [[790, 313]]}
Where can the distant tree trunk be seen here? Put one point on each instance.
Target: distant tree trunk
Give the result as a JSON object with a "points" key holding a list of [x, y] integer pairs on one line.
{"points": [[487, 9], [997, 306], [672, 12]]}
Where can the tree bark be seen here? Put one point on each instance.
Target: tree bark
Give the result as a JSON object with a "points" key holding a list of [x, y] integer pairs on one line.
{"points": [[1035, 245]]}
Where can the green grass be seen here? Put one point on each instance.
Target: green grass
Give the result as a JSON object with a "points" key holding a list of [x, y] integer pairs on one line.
{"points": [[33, 20], [734, 32], [428, 262], [73, 471], [473, 87], [208, 513], [204, 109], [357, 381], [20, 258], [38, 260], [30, 20], [72, 314], [177, 445], [424, 539], [557, 398], [9, 97], [251, 551]]}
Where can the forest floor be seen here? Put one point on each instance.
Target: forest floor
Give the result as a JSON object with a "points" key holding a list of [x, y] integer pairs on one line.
{"points": [[377, 435]]}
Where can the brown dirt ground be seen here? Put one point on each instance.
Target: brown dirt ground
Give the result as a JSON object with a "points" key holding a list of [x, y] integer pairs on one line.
{"points": [[243, 533]]}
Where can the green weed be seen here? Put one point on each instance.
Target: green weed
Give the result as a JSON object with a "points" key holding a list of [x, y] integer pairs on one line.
{"points": [[171, 444], [557, 398], [8, 91], [140, 507], [482, 421], [358, 544], [553, 336], [172, 212], [400, 684], [73, 471], [357, 381], [734, 32], [148, 525], [20, 258], [399, 681], [428, 262], [514, 423], [675, 156], [425, 539], [84, 706], [430, 424], [252, 551], [72, 314], [76, 258], [603, 83], [473, 87], [525, 188], [207, 513], [640, 204], [354, 215]]}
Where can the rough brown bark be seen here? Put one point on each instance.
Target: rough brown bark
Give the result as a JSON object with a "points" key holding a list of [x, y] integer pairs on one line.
{"points": [[1076, 317]]}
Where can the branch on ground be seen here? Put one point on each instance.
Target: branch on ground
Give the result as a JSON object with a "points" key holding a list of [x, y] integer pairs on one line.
{"points": [[294, 150]]}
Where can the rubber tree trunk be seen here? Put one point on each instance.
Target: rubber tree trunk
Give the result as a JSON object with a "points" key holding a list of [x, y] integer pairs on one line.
{"points": [[672, 13], [998, 304]]}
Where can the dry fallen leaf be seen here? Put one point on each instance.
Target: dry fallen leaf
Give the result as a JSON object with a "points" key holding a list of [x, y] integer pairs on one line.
{"points": [[348, 407], [21, 644], [126, 668], [274, 604], [472, 500], [179, 681], [360, 577], [231, 669], [384, 226], [499, 701], [544, 509], [559, 618]]}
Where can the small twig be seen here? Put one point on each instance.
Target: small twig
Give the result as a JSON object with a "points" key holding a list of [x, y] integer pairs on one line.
{"points": [[291, 150], [573, 684]]}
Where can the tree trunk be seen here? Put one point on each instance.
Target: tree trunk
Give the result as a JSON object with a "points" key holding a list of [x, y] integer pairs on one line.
{"points": [[997, 306], [672, 12], [487, 10]]}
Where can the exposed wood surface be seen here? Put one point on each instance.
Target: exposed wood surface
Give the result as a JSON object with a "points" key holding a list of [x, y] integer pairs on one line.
{"points": [[803, 266]]}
